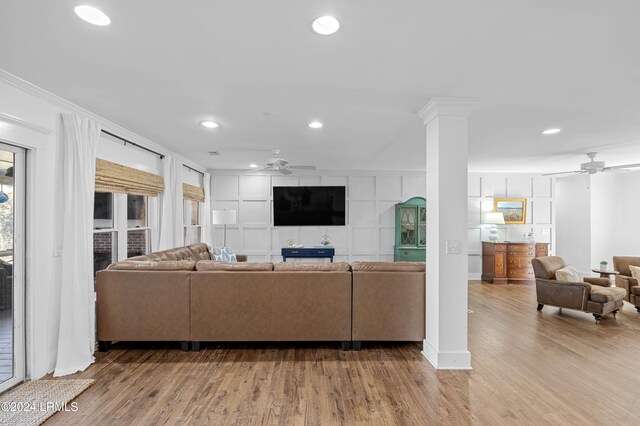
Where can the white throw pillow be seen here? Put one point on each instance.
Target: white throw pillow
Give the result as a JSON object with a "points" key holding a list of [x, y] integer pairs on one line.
{"points": [[568, 274], [223, 254], [635, 271]]}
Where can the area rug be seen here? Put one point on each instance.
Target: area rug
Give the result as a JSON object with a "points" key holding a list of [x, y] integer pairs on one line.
{"points": [[34, 402]]}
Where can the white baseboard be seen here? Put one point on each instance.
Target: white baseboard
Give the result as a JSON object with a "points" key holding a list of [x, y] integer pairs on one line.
{"points": [[475, 275], [460, 360]]}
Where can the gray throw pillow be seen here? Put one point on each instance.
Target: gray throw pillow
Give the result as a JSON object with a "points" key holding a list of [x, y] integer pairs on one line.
{"points": [[223, 254]]}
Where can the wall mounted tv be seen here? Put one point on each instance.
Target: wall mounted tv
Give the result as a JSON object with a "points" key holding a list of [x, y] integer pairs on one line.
{"points": [[309, 205]]}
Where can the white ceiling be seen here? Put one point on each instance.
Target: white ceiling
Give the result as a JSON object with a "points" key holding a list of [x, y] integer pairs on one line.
{"points": [[257, 69]]}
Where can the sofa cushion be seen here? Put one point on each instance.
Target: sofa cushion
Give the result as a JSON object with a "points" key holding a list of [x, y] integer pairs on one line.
{"points": [[210, 265], [635, 271], [193, 252], [223, 254], [300, 266], [607, 294], [568, 274], [389, 266], [154, 265]]}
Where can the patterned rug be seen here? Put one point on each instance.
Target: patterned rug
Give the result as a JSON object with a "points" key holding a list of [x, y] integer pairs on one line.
{"points": [[34, 402]]}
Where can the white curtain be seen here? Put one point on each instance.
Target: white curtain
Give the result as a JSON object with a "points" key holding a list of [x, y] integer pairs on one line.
{"points": [[74, 244], [206, 222], [171, 206]]}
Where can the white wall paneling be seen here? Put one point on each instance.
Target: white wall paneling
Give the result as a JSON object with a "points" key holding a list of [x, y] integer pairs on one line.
{"points": [[597, 218], [370, 228], [484, 187]]}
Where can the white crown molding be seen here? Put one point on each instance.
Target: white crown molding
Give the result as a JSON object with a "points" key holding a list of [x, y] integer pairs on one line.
{"points": [[22, 123], [448, 107], [45, 95]]}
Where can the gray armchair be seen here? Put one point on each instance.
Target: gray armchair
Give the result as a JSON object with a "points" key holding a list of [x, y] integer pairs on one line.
{"points": [[625, 280], [595, 295]]}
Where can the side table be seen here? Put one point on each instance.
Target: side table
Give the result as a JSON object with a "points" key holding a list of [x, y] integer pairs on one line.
{"points": [[605, 274]]}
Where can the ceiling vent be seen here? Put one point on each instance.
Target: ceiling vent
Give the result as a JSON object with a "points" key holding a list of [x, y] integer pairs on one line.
{"points": [[216, 153]]}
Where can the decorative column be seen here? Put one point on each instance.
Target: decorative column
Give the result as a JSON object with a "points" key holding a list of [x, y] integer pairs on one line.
{"points": [[446, 121]]}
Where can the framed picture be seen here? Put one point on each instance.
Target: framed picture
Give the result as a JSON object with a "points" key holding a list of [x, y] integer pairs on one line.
{"points": [[513, 209]]}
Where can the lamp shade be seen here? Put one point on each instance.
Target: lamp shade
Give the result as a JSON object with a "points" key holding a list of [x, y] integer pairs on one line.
{"points": [[494, 218], [224, 217]]}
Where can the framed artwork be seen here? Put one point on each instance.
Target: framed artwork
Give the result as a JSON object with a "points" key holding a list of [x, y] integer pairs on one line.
{"points": [[513, 209]]}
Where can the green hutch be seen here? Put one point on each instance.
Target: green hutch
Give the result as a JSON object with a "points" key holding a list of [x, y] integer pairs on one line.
{"points": [[411, 231]]}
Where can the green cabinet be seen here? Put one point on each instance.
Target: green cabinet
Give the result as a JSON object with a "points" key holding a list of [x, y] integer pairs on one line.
{"points": [[411, 231]]}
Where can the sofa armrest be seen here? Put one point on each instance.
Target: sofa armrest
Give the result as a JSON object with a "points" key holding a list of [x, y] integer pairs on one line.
{"points": [[241, 257], [563, 294], [602, 282], [626, 282]]}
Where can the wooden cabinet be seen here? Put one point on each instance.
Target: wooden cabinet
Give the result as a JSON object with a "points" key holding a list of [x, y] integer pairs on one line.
{"points": [[411, 227], [505, 262]]}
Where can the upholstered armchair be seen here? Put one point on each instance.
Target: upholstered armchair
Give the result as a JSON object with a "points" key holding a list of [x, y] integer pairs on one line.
{"points": [[625, 280], [594, 295]]}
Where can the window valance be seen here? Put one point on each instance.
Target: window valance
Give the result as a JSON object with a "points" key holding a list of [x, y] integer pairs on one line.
{"points": [[193, 193], [114, 177]]}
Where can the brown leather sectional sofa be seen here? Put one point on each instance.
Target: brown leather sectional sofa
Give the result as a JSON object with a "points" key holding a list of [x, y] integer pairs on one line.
{"points": [[181, 295]]}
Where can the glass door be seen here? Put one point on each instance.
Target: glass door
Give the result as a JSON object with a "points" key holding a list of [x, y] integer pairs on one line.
{"points": [[12, 284]]}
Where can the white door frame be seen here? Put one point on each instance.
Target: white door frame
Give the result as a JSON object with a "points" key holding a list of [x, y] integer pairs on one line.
{"points": [[19, 270]]}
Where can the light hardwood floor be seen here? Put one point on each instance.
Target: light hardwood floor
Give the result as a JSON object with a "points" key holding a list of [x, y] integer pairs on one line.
{"points": [[528, 368]]}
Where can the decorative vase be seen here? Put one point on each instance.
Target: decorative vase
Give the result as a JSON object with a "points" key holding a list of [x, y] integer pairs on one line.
{"points": [[325, 240], [493, 234], [603, 266]]}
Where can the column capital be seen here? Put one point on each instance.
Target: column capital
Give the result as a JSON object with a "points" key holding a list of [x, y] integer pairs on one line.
{"points": [[450, 107]]}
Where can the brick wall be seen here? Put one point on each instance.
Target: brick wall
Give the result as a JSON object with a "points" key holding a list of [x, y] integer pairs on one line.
{"points": [[136, 243]]}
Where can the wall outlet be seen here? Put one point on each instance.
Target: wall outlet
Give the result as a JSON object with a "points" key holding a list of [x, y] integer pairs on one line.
{"points": [[453, 247]]}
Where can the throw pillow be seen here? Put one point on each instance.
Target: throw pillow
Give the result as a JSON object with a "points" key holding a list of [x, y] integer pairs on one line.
{"points": [[223, 254], [635, 271], [568, 274]]}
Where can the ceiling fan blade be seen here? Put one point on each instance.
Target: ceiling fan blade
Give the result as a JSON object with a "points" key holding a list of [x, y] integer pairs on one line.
{"points": [[622, 166], [564, 173], [302, 167], [284, 171], [280, 162]]}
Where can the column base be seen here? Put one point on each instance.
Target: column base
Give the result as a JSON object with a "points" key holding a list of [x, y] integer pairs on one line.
{"points": [[460, 360]]}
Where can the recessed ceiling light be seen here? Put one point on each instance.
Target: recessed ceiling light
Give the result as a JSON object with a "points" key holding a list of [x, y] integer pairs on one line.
{"points": [[325, 25], [209, 124], [92, 15], [315, 125], [253, 166], [551, 131]]}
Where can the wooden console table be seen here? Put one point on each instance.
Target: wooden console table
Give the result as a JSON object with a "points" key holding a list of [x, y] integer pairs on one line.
{"points": [[308, 252], [510, 262]]}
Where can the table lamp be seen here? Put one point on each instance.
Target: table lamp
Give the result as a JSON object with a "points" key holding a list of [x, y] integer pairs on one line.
{"points": [[224, 217], [493, 219]]}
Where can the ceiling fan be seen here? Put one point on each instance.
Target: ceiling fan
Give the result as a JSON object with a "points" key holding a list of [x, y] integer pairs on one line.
{"points": [[592, 167], [279, 164]]}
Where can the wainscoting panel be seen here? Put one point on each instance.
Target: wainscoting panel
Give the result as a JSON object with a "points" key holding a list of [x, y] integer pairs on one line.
{"points": [[537, 189], [368, 234]]}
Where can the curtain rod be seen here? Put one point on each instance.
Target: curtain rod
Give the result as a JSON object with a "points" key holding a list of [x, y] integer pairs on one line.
{"points": [[132, 143], [193, 170]]}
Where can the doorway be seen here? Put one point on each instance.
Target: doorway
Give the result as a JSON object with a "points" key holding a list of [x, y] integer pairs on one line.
{"points": [[12, 267]]}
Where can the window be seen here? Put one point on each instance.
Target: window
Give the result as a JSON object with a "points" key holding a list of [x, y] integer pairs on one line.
{"points": [[192, 224], [105, 239], [121, 227], [138, 229]]}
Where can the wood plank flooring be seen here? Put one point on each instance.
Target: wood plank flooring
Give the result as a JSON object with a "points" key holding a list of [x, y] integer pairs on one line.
{"points": [[528, 368]]}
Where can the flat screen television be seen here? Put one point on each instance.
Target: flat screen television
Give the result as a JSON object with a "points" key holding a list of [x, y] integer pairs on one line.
{"points": [[309, 205]]}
